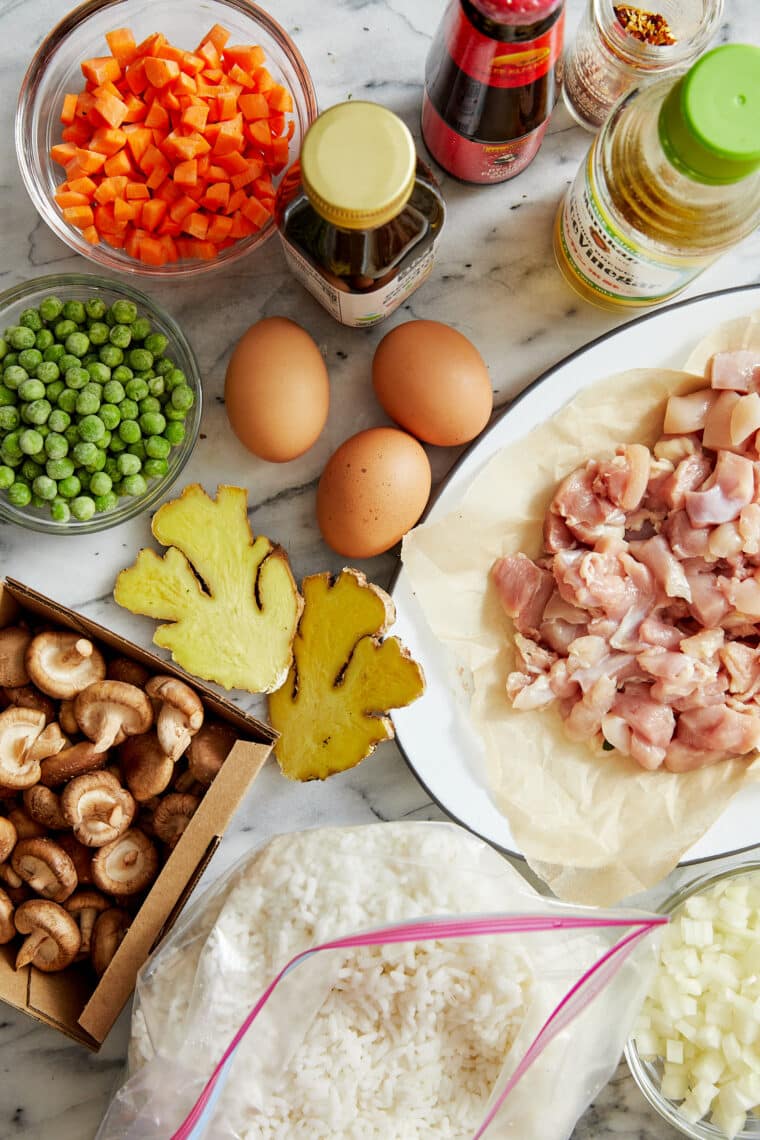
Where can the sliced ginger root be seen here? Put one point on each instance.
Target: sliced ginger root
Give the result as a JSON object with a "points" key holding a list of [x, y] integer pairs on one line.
{"points": [[231, 600], [332, 709]]}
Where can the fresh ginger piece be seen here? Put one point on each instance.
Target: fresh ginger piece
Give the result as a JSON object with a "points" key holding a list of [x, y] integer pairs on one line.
{"points": [[231, 598], [332, 709]]}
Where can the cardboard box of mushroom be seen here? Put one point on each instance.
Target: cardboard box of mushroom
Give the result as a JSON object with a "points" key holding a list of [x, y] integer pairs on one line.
{"points": [[118, 775]]}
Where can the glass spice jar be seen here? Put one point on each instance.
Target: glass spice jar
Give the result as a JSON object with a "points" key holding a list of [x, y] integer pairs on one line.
{"points": [[607, 59], [359, 214]]}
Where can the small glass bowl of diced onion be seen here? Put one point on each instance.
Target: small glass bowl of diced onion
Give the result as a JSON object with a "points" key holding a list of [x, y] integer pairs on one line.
{"points": [[695, 1049]]}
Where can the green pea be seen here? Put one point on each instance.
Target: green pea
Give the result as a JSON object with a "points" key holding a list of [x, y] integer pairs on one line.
{"points": [[95, 308], [129, 431], [140, 359], [84, 453], [128, 464], [122, 374], [30, 469], [182, 397], [98, 333], [149, 404], [155, 468], [91, 427], [44, 340], [112, 469], [156, 343], [74, 311], [7, 399], [121, 336], [45, 487], [110, 415], [47, 371], [142, 328], [37, 412], [37, 501], [12, 358], [134, 484], [71, 434], [30, 359], [14, 376], [51, 308], [163, 366], [87, 403], [173, 413], [7, 477], [9, 418], [99, 372], [58, 420], [106, 502], [56, 445], [138, 449], [89, 358], [111, 355], [117, 445], [64, 328], [124, 312], [59, 469], [68, 361], [156, 386], [69, 487], [20, 337], [76, 377], [84, 478], [82, 508], [60, 510], [31, 319], [19, 494], [136, 389], [77, 343], [105, 439], [30, 442], [113, 392], [9, 460], [54, 353], [4, 350], [11, 446], [53, 391], [151, 423], [31, 390], [98, 462], [100, 483], [67, 401]]}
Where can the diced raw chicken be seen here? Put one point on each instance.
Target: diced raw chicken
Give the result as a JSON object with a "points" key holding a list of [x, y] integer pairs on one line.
{"points": [[733, 487], [749, 528], [675, 674], [739, 370], [651, 725], [705, 645], [742, 663], [557, 534], [676, 447], [708, 601], [587, 514], [686, 541], [523, 588], [528, 692], [717, 433], [532, 657], [725, 541], [744, 595], [667, 570], [745, 418], [681, 757], [585, 718], [685, 414], [623, 479], [719, 728], [690, 473], [654, 631]]}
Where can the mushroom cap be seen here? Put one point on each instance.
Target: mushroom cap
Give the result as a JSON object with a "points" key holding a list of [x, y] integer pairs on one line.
{"points": [[172, 816], [8, 837], [127, 865], [209, 748], [66, 718], [9, 876], [7, 925], [107, 935], [180, 715], [54, 937], [147, 768], [50, 742], [26, 827], [46, 867], [97, 808], [13, 645], [44, 807], [19, 728], [80, 856], [85, 906], [70, 762], [110, 711], [27, 697], [125, 669], [62, 663]]}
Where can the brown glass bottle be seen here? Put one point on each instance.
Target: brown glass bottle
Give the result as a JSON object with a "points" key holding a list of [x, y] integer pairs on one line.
{"points": [[492, 78]]}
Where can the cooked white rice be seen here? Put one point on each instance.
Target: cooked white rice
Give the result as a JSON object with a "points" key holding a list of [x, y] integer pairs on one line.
{"points": [[410, 1039]]}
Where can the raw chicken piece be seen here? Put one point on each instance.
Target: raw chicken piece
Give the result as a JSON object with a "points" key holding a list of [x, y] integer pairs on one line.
{"points": [[717, 433], [651, 725], [668, 572], [681, 757], [526, 692], [739, 370], [744, 595], [654, 631], [675, 674], [523, 588], [690, 473], [749, 528], [725, 541], [745, 418], [686, 541], [532, 657], [589, 658], [557, 534], [623, 479], [685, 414], [733, 487], [588, 515], [585, 718], [719, 728], [708, 601], [742, 663]]}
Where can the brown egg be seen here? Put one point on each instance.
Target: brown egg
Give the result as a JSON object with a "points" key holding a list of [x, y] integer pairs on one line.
{"points": [[432, 381], [372, 491], [276, 392]]}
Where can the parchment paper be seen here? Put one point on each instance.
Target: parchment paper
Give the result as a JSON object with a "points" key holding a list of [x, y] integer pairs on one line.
{"points": [[593, 824]]}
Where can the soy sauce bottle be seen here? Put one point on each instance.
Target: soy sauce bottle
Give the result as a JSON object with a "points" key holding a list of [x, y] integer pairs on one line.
{"points": [[492, 77]]}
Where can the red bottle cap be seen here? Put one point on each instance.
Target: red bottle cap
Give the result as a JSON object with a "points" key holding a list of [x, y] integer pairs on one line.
{"points": [[517, 12]]}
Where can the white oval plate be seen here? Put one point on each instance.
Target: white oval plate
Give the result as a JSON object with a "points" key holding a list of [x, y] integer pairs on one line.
{"points": [[435, 735]]}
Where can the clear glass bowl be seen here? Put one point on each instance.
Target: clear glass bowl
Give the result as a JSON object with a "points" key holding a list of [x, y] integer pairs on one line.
{"points": [[648, 1074], [55, 70], [80, 286]]}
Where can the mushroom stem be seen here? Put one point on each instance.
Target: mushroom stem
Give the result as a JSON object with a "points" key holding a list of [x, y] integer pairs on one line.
{"points": [[109, 728], [79, 652], [34, 946]]}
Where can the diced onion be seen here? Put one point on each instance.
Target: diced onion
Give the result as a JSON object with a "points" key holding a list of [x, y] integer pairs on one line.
{"points": [[702, 1015]]}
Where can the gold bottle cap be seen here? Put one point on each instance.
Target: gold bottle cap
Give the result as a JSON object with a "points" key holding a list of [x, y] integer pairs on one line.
{"points": [[358, 165]]}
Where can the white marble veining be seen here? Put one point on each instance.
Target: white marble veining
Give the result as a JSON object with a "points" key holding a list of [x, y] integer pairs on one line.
{"points": [[495, 280]]}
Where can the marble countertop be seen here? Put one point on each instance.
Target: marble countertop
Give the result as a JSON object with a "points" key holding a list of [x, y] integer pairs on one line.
{"points": [[494, 280]]}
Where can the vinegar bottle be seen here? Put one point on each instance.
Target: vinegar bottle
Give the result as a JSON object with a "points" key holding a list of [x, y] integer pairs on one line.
{"points": [[670, 183]]}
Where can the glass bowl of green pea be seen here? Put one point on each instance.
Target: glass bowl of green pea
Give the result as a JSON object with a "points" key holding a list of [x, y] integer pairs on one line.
{"points": [[100, 403]]}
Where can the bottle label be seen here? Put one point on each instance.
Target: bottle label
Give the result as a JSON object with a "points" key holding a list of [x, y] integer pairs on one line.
{"points": [[611, 265], [498, 64], [477, 161], [358, 310]]}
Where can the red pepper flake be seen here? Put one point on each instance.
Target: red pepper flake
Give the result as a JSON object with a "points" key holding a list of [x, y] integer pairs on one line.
{"points": [[649, 27]]}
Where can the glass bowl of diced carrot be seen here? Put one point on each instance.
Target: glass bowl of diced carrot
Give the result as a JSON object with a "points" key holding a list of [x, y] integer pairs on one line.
{"points": [[152, 137]]}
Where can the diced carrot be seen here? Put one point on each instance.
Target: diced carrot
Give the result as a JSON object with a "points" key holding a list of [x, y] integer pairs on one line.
{"points": [[170, 100], [205, 250], [169, 228], [82, 185], [168, 192], [107, 88], [254, 106], [279, 99], [78, 133], [157, 116], [182, 147], [209, 53], [136, 109], [69, 109], [276, 124], [135, 191], [152, 251], [263, 80], [204, 163], [132, 242], [161, 72], [63, 152], [195, 116], [196, 224], [124, 211], [218, 36], [259, 134], [153, 213], [263, 187], [185, 84], [79, 216], [217, 196], [89, 160], [110, 189], [279, 154], [237, 199], [219, 228], [137, 80], [122, 45], [107, 140], [227, 104], [245, 177], [74, 171], [241, 227], [291, 129], [85, 103], [257, 214], [101, 69], [235, 163], [151, 45], [158, 174], [182, 209], [90, 234], [151, 157], [169, 51], [249, 57], [242, 78], [118, 164], [186, 173], [230, 137], [66, 198], [111, 109], [192, 64], [138, 141]]}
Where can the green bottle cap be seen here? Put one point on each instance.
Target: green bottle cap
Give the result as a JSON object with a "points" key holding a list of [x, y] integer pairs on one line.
{"points": [[710, 121]]}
